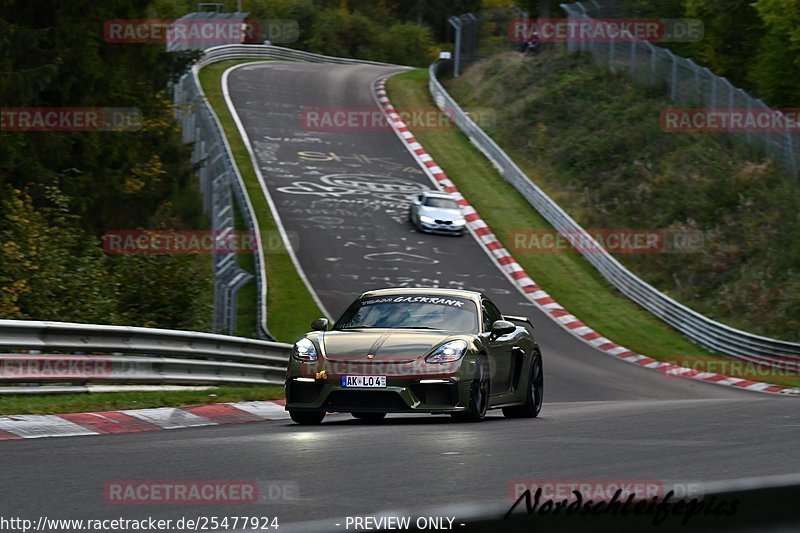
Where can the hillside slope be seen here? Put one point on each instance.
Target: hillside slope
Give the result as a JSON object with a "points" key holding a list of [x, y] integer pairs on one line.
{"points": [[592, 140]]}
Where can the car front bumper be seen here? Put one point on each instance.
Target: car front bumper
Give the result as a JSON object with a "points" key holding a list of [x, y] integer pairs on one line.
{"points": [[444, 229], [444, 392]]}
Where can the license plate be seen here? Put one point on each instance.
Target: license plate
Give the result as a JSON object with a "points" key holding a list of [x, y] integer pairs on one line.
{"points": [[369, 382]]}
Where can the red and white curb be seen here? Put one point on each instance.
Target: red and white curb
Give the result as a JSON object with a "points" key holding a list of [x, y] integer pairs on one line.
{"points": [[137, 420], [536, 294]]}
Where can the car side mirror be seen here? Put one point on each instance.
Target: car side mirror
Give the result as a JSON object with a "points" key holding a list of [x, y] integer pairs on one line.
{"points": [[320, 324], [502, 327]]}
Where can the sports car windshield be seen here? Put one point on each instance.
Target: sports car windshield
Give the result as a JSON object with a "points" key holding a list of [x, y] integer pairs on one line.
{"points": [[411, 312], [443, 203]]}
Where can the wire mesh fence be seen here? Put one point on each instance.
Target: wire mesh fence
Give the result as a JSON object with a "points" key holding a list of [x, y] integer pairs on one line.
{"points": [[219, 187], [700, 329], [688, 83]]}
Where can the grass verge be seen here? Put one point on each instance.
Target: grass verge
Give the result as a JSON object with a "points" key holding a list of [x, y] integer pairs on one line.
{"points": [[570, 279], [290, 308], [109, 401]]}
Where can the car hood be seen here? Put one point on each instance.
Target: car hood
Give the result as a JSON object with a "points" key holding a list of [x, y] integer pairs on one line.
{"points": [[440, 213], [383, 344]]}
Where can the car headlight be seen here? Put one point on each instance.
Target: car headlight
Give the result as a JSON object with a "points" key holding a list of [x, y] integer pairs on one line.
{"points": [[448, 352], [304, 350], [427, 219], [459, 222]]}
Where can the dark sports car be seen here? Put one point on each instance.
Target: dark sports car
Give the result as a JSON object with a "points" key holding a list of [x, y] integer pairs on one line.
{"points": [[440, 351]]}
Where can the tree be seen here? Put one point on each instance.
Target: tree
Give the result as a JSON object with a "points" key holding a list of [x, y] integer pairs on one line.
{"points": [[50, 269], [776, 72], [406, 43], [732, 33], [338, 32], [60, 191]]}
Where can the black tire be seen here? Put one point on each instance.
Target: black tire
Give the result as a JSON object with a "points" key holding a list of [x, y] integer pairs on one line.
{"points": [[306, 418], [370, 417], [534, 396], [479, 392]]}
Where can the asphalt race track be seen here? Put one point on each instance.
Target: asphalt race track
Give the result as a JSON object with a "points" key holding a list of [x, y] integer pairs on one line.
{"points": [[341, 197]]}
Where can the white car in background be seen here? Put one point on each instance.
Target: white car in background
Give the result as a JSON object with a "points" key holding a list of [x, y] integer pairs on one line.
{"points": [[437, 212]]}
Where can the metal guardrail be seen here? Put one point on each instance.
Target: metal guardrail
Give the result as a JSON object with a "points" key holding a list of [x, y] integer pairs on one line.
{"points": [[124, 369], [251, 51], [162, 356], [220, 179], [67, 336], [698, 328], [219, 184]]}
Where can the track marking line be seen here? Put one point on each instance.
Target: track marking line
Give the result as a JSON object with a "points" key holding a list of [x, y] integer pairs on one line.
{"points": [[138, 420], [169, 417], [37, 426]]}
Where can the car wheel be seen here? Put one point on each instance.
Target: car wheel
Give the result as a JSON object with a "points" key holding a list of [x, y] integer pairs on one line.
{"points": [[534, 396], [370, 417], [306, 418], [478, 394]]}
